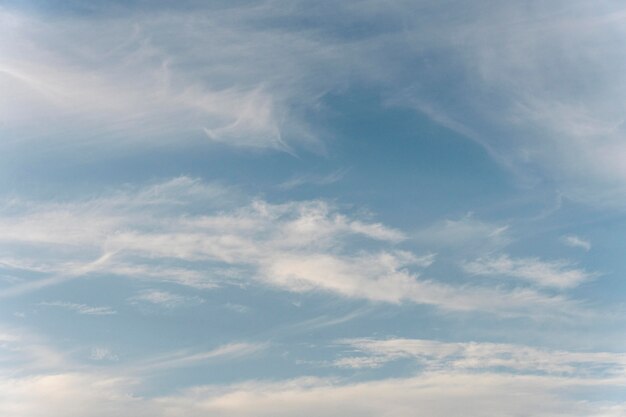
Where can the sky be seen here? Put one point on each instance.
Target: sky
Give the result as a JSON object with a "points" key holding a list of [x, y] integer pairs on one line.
{"points": [[290, 208]]}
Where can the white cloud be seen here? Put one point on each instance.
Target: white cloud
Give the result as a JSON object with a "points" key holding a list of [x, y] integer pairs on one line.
{"points": [[553, 82], [467, 233], [384, 277], [103, 354], [47, 395], [176, 232], [28, 355], [558, 274], [555, 91], [80, 308], [576, 242], [435, 355], [165, 299], [457, 378], [143, 77], [436, 394], [38, 381], [23, 353], [187, 358], [238, 308], [317, 180]]}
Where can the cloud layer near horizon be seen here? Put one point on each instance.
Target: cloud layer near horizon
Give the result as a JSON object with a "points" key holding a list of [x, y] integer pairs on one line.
{"points": [[445, 389]]}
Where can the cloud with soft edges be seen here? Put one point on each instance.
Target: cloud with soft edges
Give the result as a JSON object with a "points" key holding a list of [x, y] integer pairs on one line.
{"points": [[224, 74], [437, 394], [576, 242], [157, 234], [558, 274], [80, 308], [445, 390], [465, 356]]}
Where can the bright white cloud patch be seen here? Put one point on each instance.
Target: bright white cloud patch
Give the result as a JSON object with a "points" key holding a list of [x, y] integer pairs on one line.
{"points": [[297, 246]]}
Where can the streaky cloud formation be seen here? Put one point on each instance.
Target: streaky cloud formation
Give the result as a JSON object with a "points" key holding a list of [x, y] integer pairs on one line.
{"points": [[557, 274], [292, 208], [80, 308], [576, 242], [234, 78], [164, 298], [483, 356], [296, 246], [443, 388]]}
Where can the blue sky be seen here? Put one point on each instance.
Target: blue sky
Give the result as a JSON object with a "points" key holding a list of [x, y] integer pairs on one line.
{"points": [[301, 209]]}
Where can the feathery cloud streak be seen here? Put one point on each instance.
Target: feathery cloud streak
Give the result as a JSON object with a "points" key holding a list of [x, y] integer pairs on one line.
{"points": [[243, 76], [156, 233]]}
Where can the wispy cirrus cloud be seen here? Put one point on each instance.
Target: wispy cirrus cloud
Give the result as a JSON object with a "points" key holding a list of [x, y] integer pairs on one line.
{"points": [[467, 233], [557, 274], [245, 76], [187, 357], [538, 86], [439, 394], [103, 354], [164, 233], [454, 377], [576, 242], [316, 180], [134, 78], [80, 308], [436, 355], [164, 298]]}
